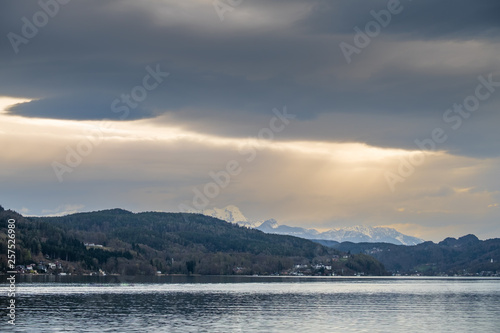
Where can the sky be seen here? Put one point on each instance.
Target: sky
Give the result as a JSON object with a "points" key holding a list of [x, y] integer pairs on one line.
{"points": [[320, 114]]}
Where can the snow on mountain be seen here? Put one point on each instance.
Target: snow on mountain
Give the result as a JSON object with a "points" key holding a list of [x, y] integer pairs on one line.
{"points": [[272, 227], [271, 224], [355, 234], [230, 214]]}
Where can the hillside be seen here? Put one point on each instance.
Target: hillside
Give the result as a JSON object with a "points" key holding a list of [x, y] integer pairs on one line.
{"points": [[464, 256], [121, 242]]}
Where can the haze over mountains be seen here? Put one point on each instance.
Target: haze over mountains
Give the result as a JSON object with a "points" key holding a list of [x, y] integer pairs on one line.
{"points": [[355, 234]]}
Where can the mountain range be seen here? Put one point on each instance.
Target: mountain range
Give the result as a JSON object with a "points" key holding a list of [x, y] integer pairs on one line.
{"points": [[121, 242], [466, 255], [117, 241], [355, 234]]}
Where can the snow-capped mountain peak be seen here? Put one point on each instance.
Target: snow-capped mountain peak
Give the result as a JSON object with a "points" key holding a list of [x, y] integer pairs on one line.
{"points": [[230, 214], [355, 234], [269, 224]]}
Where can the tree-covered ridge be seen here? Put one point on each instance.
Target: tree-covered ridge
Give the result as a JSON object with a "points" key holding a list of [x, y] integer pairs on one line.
{"points": [[162, 231], [464, 256], [121, 242], [36, 240]]}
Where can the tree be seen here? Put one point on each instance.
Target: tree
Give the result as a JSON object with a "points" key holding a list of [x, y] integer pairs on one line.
{"points": [[190, 265]]}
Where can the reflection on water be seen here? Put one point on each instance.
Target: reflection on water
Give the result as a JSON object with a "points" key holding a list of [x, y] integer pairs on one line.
{"points": [[225, 304]]}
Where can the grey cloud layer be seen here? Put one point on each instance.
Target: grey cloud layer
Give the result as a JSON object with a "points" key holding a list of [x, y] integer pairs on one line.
{"points": [[424, 19], [93, 51]]}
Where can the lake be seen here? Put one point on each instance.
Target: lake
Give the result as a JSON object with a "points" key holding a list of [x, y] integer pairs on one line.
{"points": [[254, 304]]}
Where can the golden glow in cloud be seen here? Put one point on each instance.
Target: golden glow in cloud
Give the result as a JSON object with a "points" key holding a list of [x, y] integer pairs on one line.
{"points": [[303, 183]]}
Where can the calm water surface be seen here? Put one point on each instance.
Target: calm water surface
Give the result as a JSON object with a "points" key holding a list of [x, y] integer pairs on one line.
{"points": [[254, 304]]}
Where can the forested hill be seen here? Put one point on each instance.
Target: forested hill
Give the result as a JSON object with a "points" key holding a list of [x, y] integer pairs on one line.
{"points": [[118, 241], [466, 255]]}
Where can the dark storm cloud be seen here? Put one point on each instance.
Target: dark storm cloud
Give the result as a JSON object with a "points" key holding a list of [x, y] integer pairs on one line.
{"points": [[426, 19], [85, 107], [93, 51]]}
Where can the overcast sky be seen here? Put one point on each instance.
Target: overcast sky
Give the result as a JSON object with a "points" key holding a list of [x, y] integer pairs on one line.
{"points": [[319, 114]]}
